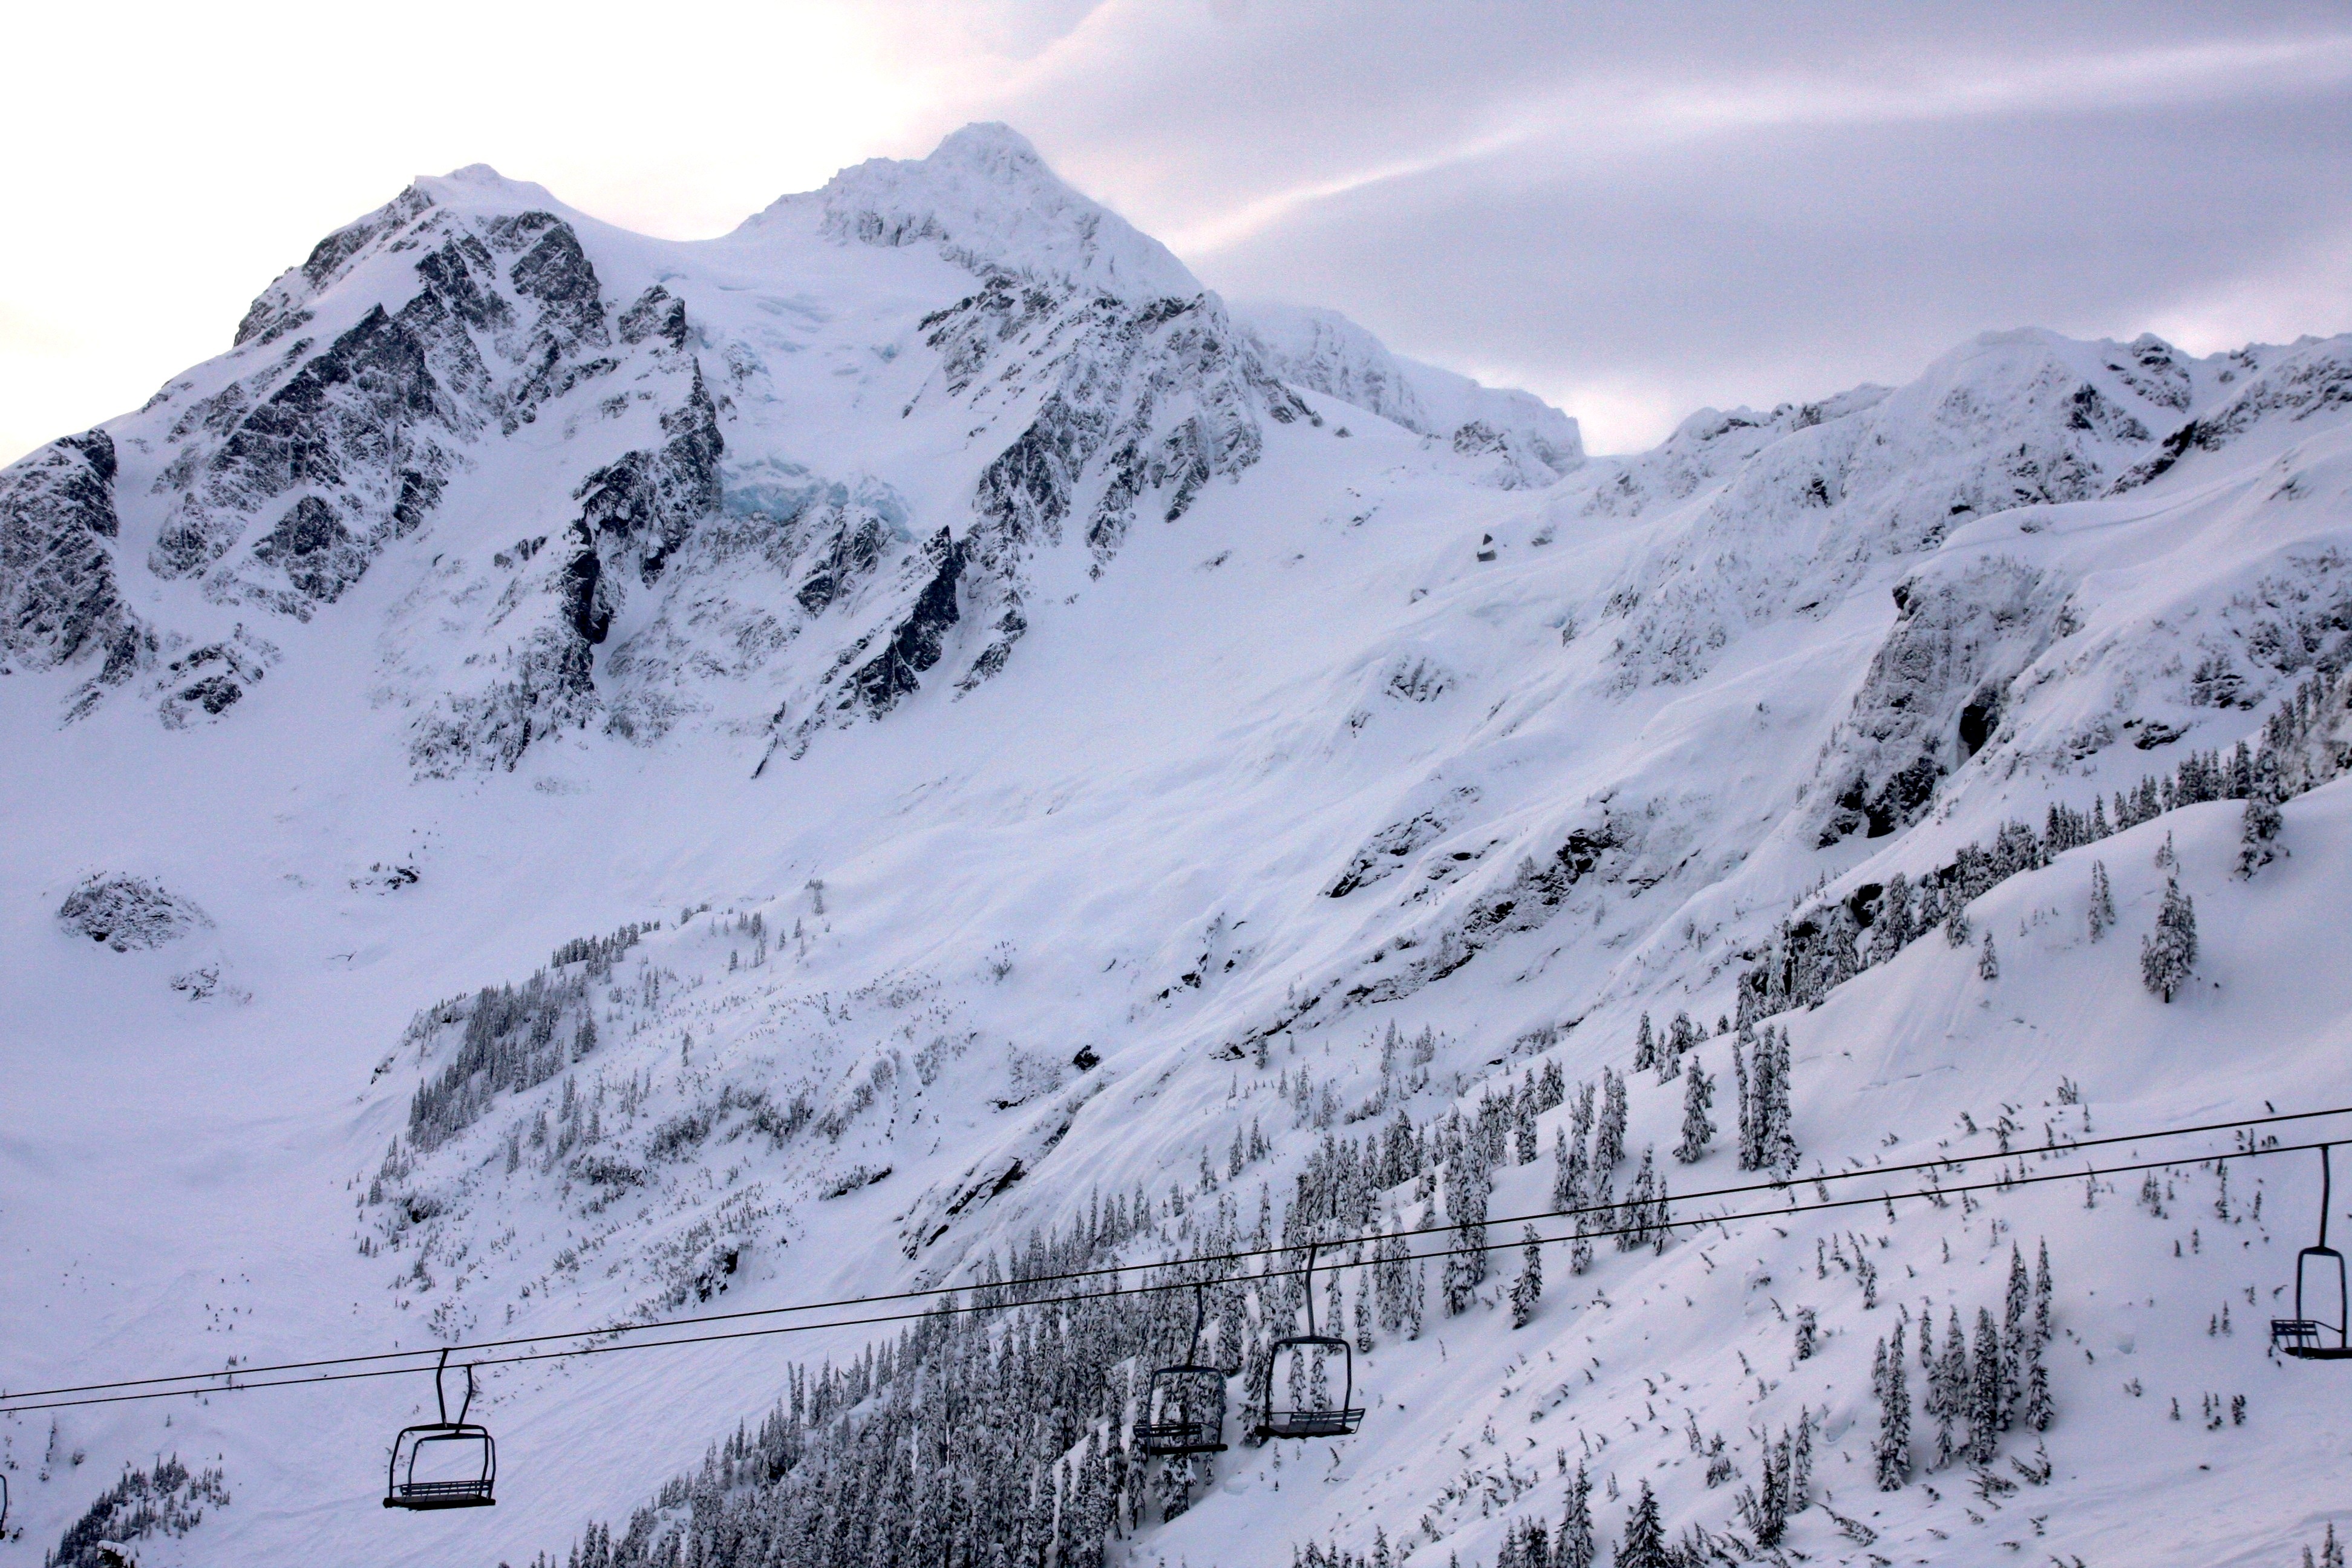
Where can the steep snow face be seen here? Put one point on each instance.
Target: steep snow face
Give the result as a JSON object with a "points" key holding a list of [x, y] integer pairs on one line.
{"points": [[764, 485], [867, 766], [1506, 438], [988, 201]]}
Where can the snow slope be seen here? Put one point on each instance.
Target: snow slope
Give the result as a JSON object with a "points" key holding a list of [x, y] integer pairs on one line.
{"points": [[1107, 745]]}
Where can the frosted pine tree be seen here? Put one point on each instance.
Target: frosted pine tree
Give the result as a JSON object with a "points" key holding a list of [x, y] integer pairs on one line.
{"points": [[2257, 831], [1988, 960], [1987, 1410], [2103, 900], [1528, 1289], [1743, 1049], [1698, 1131], [1892, 1451], [2042, 1295], [2169, 954], [2017, 1306], [1524, 1140], [1645, 1046], [1567, 1172], [1644, 1546], [1681, 1036], [1957, 930], [1609, 1138], [1951, 1387], [1574, 1547]]}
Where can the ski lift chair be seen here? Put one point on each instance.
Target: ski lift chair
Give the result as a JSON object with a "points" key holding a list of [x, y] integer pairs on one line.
{"points": [[1188, 1402], [1282, 1420], [2306, 1338], [452, 1444]]}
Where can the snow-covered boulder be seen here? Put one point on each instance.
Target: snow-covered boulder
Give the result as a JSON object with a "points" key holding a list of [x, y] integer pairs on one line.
{"points": [[129, 913]]}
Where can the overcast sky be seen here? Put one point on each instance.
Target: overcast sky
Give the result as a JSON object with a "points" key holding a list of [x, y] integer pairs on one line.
{"points": [[1633, 211]]}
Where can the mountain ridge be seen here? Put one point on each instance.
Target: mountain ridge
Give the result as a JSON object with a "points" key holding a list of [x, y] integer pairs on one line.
{"points": [[808, 765]]}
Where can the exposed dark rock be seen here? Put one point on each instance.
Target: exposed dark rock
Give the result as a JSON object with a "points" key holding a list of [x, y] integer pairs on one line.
{"points": [[280, 306], [209, 679], [1935, 690], [657, 313], [646, 502], [316, 552], [584, 609], [916, 644], [59, 598], [850, 554]]}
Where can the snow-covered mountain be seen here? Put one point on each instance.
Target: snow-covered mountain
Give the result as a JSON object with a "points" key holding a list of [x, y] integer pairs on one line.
{"points": [[571, 779], [1507, 438]]}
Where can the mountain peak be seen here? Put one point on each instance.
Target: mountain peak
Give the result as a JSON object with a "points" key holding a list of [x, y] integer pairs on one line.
{"points": [[478, 184], [990, 203]]}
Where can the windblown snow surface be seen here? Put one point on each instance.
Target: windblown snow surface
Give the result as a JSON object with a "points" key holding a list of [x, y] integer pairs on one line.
{"points": [[1116, 716]]}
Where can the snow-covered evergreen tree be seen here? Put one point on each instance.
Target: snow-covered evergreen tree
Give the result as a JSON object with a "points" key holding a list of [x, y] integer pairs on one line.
{"points": [[1608, 1137], [1644, 1546], [1698, 1130], [1987, 1410], [1988, 960], [1574, 1546], [2258, 833], [2103, 900], [2168, 954], [1528, 1289], [1892, 1451]]}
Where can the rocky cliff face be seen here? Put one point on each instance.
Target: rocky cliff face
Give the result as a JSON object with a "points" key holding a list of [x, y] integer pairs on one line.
{"points": [[469, 339]]}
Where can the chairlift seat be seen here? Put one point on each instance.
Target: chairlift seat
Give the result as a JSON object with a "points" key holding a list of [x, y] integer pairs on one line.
{"points": [[2307, 1338], [2303, 1338], [404, 1490], [460, 1439], [1314, 1421], [1198, 1395]]}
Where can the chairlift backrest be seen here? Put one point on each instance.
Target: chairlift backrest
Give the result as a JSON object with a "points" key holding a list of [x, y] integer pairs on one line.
{"points": [[470, 1445], [2303, 1337], [1300, 1420], [1187, 1410]]}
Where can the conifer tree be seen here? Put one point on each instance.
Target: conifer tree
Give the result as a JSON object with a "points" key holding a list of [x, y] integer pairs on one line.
{"points": [[1567, 1172], [1957, 930], [1645, 1046], [1951, 1384], [1608, 1137], [1986, 1407], [2042, 1295], [1891, 1452], [2256, 833], [1894, 923], [2168, 955], [1988, 960], [1523, 1137], [1644, 1546], [1575, 1547], [1528, 1289], [2017, 1306], [1698, 1131], [1743, 1049], [2103, 900]]}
